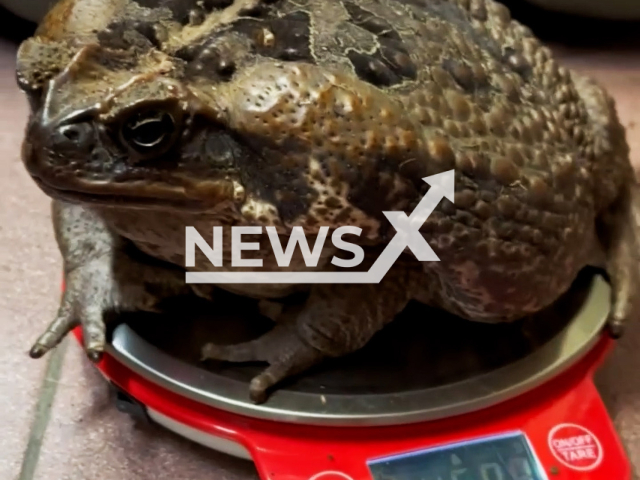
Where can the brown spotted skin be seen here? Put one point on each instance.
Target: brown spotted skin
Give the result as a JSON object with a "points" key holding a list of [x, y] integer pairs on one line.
{"points": [[326, 113]]}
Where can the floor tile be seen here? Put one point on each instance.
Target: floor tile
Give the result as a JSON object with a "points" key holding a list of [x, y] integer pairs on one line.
{"points": [[89, 439], [29, 275]]}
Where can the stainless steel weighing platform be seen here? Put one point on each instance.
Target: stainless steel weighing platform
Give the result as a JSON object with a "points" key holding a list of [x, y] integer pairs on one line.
{"points": [[426, 365]]}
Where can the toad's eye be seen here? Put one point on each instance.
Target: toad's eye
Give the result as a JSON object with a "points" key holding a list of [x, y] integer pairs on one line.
{"points": [[149, 131]]}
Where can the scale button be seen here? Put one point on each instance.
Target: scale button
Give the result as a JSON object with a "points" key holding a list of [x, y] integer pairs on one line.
{"points": [[575, 447], [331, 475]]}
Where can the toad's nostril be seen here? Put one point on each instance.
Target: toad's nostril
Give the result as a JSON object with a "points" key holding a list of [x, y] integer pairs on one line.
{"points": [[74, 135], [72, 132]]}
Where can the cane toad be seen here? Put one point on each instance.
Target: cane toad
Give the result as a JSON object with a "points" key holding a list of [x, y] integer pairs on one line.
{"points": [[148, 116]]}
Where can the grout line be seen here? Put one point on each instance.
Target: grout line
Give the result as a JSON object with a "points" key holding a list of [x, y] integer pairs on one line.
{"points": [[42, 415]]}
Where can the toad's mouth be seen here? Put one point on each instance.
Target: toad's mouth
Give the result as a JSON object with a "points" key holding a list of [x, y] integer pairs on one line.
{"points": [[133, 195]]}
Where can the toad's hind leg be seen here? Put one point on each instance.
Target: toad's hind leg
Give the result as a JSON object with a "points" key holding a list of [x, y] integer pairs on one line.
{"points": [[617, 192], [334, 321], [622, 241]]}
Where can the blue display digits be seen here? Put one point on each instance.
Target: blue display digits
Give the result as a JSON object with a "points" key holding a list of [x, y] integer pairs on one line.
{"points": [[503, 457]]}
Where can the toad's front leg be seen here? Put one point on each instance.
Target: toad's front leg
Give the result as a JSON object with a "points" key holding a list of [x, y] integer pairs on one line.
{"points": [[334, 321], [101, 274]]}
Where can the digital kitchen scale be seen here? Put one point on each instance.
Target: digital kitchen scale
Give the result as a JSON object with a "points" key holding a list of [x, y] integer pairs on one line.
{"points": [[431, 397]]}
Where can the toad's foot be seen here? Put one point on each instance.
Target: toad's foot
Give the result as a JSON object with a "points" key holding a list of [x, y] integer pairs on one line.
{"points": [[101, 275], [624, 262], [284, 350], [334, 321], [91, 291]]}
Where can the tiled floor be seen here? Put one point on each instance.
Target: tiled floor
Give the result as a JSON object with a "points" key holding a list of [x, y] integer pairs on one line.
{"points": [[85, 437]]}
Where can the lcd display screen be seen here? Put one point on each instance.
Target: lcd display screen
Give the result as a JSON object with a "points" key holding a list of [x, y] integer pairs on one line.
{"points": [[503, 457]]}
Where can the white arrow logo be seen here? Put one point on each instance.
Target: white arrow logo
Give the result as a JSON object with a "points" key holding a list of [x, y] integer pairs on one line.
{"points": [[407, 235]]}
